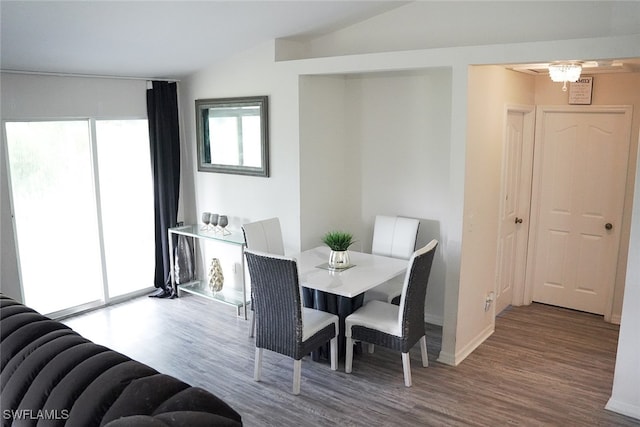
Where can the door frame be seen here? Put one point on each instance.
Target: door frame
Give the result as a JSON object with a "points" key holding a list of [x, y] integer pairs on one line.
{"points": [[524, 195], [536, 190]]}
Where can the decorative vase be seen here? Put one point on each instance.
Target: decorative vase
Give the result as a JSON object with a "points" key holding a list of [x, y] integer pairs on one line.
{"points": [[182, 261], [216, 278], [339, 259]]}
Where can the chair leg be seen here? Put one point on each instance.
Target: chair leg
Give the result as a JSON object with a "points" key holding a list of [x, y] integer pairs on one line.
{"points": [[334, 353], [348, 358], [423, 351], [252, 324], [406, 367], [257, 370], [297, 373]]}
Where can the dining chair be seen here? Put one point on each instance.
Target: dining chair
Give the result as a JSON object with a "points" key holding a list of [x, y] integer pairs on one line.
{"points": [[392, 326], [283, 324], [263, 236], [393, 237]]}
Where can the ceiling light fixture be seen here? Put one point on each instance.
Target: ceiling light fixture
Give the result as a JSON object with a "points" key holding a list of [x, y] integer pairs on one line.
{"points": [[565, 72]]}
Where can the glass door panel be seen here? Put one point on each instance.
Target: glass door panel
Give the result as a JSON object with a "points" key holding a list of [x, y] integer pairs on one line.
{"points": [[126, 200], [54, 205]]}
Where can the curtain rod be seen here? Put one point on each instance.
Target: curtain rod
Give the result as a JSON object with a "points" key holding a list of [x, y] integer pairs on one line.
{"points": [[94, 76]]}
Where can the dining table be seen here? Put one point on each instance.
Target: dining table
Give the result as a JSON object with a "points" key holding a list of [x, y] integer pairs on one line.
{"points": [[341, 291]]}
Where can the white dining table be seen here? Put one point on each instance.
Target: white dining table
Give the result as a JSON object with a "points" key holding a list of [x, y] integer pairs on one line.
{"points": [[367, 271], [341, 292]]}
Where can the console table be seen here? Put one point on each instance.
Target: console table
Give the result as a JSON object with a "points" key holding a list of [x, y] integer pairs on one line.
{"points": [[237, 298]]}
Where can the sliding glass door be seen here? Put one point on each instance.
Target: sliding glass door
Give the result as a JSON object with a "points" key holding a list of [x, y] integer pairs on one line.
{"points": [[126, 201], [83, 210], [54, 210]]}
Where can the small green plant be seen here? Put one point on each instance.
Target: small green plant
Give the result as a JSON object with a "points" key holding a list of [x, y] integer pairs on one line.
{"points": [[338, 240]]}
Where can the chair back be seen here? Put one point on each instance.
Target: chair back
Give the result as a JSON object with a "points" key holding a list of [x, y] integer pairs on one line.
{"points": [[276, 305], [414, 291], [264, 236], [394, 236]]}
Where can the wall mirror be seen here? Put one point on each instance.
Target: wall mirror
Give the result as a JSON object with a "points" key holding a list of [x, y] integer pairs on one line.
{"points": [[233, 135]]}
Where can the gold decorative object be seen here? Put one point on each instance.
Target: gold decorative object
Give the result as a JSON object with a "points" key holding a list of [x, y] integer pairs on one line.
{"points": [[216, 278]]}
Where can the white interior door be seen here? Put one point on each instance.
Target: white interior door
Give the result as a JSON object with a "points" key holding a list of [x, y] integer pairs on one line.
{"points": [[581, 163], [514, 208]]}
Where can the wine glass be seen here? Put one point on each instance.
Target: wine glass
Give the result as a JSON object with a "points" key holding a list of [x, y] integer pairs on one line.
{"points": [[214, 221], [223, 221], [206, 217]]}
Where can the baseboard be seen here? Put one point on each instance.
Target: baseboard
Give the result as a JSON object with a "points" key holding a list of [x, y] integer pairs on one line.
{"points": [[623, 408], [433, 319], [459, 356], [447, 358], [616, 319]]}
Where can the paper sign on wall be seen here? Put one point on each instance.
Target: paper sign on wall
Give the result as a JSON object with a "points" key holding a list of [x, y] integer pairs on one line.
{"points": [[580, 91]]}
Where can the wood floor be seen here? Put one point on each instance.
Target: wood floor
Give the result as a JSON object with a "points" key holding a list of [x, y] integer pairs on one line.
{"points": [[543, 366]]}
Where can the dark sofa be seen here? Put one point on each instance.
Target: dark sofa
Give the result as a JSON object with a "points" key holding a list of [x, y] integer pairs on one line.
{"points": [[52, 376]]}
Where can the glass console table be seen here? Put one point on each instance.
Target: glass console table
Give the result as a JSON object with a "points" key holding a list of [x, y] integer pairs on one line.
{"points": [[235, 297]]}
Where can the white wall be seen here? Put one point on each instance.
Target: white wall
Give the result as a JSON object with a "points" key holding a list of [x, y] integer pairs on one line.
{"points": [[401, 121], [329, 162], [625, 396], [48, 97], [376, 143], [491, 89], [244, 198]]}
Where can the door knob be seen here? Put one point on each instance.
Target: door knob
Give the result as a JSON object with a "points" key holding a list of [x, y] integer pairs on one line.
{"points": [[518, 220], [608, 226]]}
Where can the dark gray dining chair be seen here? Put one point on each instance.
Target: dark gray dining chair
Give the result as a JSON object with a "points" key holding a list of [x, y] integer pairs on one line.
{"points": [[264, 236], [283, 325], [392, 326]]}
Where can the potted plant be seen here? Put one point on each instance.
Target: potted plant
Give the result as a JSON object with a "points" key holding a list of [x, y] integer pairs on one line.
{"points": [[338, 242]]}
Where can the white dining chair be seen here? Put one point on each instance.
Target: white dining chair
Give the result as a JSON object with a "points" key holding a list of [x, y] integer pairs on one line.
{"points": [[263, 236], [393, 237], [283, 325], [392, 326]]}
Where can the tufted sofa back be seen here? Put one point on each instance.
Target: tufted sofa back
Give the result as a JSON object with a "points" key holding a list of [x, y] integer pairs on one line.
{"points": [[50, 374]]}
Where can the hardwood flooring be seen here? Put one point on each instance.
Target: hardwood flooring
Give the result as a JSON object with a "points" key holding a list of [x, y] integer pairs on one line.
{"points": [[544, 366]]}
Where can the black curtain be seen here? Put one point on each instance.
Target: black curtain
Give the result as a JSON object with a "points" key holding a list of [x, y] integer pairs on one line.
{"points": [[164, 138]]}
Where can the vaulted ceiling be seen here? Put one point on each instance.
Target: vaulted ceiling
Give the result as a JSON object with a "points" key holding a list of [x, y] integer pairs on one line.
{"points": [[159, 39]]}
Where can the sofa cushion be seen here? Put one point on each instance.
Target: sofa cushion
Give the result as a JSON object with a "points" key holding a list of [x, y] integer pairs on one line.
{"points": [[155, 388], [24, 375], [93, 403], [54, 371]]}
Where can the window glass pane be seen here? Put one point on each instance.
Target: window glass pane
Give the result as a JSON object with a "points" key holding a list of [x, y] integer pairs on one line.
{"points": [[251, 141], [55, 213], [225, 141], [126, 196]]}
